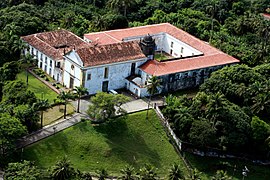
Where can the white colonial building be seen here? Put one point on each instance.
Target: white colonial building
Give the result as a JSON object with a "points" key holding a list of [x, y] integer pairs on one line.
{"points": [[125, 58]]}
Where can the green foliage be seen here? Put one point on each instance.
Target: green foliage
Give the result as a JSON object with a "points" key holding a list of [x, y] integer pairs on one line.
{"points": [[62, 169], [16, 93], [104, 106], [127, 173], [23, 170], [221, 175], [148, 172], [10, 130], [175, 172], [9, 71], [27, 115], [260, 130]]}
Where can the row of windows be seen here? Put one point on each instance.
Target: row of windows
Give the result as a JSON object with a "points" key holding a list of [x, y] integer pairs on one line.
{"points": [[106, 74], [182, 48]]}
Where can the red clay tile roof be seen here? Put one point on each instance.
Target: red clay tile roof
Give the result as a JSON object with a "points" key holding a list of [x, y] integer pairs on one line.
{"points": [[156, 68], [55, 43], [110, 53], [211, 56]]}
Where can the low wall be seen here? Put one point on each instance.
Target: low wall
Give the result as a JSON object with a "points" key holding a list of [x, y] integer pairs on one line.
{"points": [[187, 147]]}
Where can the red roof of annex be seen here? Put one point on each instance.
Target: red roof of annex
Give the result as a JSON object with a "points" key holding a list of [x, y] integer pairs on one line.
{"points": [[211, 56], [55, 43]]}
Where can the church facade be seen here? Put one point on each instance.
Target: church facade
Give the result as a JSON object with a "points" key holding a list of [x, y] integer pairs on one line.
{"points": [[126, 58]]}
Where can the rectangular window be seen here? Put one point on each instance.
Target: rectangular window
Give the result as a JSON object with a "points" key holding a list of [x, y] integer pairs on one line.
{"points": [[182, 49], [89, 76], [46, 60], [106, 72], [37, 53], [32, 51], [50, 62], [171, 44], [41, 56], [171, 51]]}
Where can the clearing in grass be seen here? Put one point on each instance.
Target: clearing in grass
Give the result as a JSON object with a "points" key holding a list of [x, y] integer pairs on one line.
{"points": [[124, 141]]}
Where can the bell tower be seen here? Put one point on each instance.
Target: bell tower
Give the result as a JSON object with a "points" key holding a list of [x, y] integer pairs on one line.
{"points": [[147, 45]]}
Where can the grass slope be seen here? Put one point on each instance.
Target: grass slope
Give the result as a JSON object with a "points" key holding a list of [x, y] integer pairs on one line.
{"points": [[134, 141], [37, 87]]}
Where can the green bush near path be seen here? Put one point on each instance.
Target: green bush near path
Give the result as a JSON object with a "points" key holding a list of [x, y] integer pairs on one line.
{"points": [[123, 141], [36, 86]]}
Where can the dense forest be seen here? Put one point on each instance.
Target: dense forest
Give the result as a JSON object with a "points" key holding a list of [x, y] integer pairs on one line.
{"points": [[235, 100]]}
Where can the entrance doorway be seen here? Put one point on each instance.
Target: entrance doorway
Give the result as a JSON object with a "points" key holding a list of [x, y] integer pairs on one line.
{"points": [[71, 82], [105, 85], [132, 71]]}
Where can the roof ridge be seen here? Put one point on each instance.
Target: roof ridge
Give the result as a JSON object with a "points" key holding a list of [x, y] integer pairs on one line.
{"points": [[111, 36]]}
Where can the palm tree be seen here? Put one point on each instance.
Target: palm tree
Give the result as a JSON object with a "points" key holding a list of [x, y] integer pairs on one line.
{"points": [[127, 173], [212, 8], [27, 59], [221, 175], [80, 91], [102, 174], [41, 105], [148, 173], [62, 170], [152, 88], [64, 97], [117, 4], [175, 173], [214, 106], [261, 103]]}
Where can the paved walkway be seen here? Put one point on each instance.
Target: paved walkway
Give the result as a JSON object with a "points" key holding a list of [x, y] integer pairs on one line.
{"points": [[46, 131], [50, 130]]}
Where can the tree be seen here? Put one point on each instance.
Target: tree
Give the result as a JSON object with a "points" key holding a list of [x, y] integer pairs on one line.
{"points": [[62, 169], [22, 170], [221, 175], [215, 106], [9, 71], [102, 174], [26, 60], [127, 173], [27, 115], [80, 91], [148, 172], [202, 133], [41, 105], [152, 88], [104, 106], [64, 97], [118, 4], [175, 172], [10, 130], [16, 93]]}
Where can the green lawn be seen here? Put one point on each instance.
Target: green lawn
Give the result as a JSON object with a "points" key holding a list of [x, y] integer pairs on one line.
{"points": [[134, 141], [161, 57], [55, 113], [38, 87], [209, 166]]}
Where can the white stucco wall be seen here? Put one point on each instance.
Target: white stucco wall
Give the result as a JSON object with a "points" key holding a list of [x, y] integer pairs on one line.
{"points": [[117, 74], [41, 57], [177, 46], [75, 73]]}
